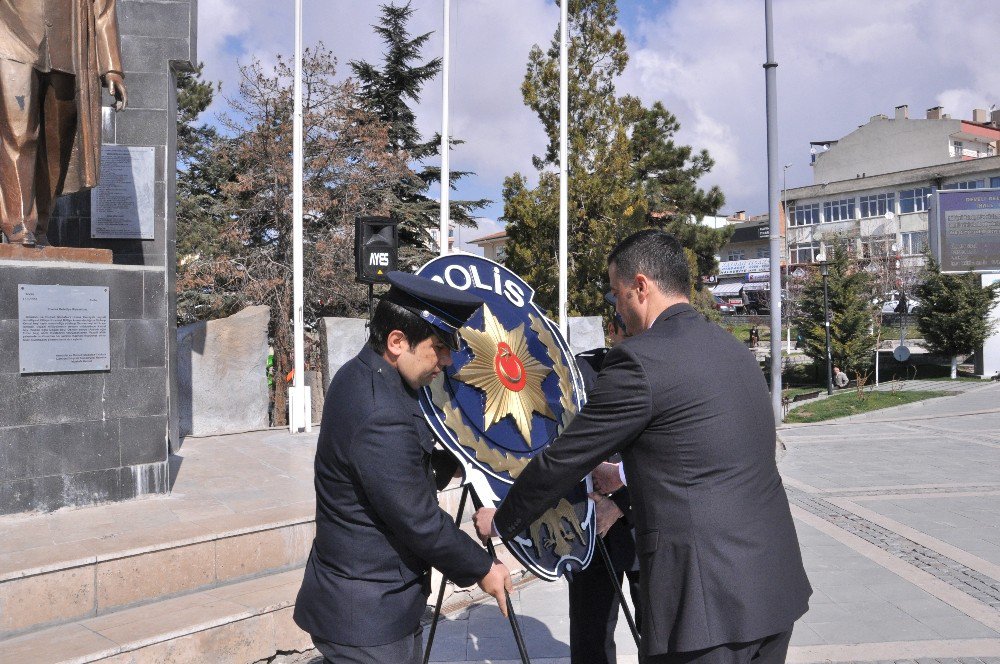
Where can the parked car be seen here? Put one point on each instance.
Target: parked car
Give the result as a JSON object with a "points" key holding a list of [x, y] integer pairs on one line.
{"points": [[890, 302], [722, 306]]}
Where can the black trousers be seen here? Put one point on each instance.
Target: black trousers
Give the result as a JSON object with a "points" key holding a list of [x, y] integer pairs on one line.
{"points": [[408, 650], [770, 650], [593, 613]]}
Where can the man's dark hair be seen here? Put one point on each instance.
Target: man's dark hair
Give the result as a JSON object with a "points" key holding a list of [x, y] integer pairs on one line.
{"points": [[389, 316], [656, 254]]}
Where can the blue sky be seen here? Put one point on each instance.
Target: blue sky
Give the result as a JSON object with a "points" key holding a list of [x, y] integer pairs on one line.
{"points": [[839, 64]]}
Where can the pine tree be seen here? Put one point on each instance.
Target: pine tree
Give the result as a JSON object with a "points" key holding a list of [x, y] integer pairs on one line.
{"points": [[387, 92], [202, 172], [626, 172], [954, 312], [852, 343]]}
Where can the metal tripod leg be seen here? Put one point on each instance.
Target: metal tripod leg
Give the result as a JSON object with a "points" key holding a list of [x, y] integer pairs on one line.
{"points": [[616, 583], [515, 626], [444, 580]]}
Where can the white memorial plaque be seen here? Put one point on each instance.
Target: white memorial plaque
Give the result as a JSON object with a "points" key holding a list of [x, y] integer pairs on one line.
{"points": [[63, 328], [121, 206]]}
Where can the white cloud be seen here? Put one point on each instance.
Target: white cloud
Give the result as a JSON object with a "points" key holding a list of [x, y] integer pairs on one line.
{"points": [[839, 64]]}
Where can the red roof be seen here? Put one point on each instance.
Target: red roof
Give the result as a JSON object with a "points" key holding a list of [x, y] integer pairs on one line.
{"points": [[492, 236]]}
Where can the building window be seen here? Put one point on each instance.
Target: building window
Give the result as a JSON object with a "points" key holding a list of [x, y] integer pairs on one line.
{"points": [[804, 252], [914, 243], [736, 255], [877, 246], [968, 184], [914, 200], [841, 210], [763, 252], [877, 205], [804, 215], [995, 182], [956, 148], [501, 255]]}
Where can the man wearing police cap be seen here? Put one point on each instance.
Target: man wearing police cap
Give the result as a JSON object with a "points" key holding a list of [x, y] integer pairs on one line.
{"points": [[379, 529]]}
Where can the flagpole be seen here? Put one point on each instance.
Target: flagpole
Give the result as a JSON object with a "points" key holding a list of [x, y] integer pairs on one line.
{"points": [[299, 416], [445, 143], [563, 165]]}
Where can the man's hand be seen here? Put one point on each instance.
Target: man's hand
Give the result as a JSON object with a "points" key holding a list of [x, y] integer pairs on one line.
{"points": [[496, 581], [606, 478], [607, 513], [484, 523], [116, 86]]}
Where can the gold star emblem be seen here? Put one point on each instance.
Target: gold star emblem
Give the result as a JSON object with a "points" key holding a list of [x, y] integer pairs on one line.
{"points": [[510, 376]]}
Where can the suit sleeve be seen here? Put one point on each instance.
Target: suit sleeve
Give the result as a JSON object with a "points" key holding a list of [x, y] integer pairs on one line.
{"points": [[618, 409], [388, 461], [109, 57]]}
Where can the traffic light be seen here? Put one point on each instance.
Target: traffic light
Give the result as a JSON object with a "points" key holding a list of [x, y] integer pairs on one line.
{"points": [[376, 248]]}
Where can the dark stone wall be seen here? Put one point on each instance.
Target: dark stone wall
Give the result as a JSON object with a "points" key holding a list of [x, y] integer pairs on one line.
{"points": [[79, 438]]}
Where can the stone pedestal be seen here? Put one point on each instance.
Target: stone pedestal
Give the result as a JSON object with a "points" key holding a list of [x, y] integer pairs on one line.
{"points": [[340, 340], [222, 374], [74, 438], [585, 333], [988, 357], [49, 254]]}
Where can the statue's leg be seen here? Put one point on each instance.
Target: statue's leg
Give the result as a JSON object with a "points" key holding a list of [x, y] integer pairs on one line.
{"points": [[19, 123], [55, 145]]}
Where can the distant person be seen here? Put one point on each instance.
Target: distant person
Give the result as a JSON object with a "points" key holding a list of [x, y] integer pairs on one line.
{"points": [[687, 407], [379, 529], [593, 600]]}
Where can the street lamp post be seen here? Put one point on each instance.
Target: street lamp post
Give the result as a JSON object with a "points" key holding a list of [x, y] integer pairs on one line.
{"points": [[788, 260], [824, 269]]}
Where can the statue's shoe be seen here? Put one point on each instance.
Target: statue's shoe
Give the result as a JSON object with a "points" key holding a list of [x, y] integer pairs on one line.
{"points": [[20, 235]]}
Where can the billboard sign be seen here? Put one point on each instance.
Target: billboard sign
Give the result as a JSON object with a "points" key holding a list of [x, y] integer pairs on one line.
{"points": [[965, 230]]}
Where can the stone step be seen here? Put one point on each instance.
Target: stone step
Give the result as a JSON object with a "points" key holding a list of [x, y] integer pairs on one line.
{"points": [[237, 623], [60, 583]]}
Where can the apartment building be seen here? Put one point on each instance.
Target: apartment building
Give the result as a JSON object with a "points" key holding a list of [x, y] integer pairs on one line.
{"points": [[872, 187]]}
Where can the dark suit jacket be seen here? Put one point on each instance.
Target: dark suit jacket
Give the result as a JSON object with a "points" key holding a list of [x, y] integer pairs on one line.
{"points": [[378, 525], [688, 408], [620, 538]]}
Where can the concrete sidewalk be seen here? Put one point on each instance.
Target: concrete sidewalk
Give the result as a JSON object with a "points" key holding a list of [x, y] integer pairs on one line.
{"points": [[898, 515]]}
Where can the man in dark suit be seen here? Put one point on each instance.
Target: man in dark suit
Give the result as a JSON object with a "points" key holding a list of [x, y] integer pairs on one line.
{"points": [[593, 600], [379, 529], [687, 407]]}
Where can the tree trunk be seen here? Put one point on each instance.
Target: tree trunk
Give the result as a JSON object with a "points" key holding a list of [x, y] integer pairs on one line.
{"points": [[954, 367]]}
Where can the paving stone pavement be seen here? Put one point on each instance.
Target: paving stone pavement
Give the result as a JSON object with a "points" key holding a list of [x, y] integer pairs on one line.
{"points": [[898, 516]]}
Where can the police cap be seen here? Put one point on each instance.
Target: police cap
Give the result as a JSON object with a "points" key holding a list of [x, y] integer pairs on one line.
{"points": [[447, 309]]}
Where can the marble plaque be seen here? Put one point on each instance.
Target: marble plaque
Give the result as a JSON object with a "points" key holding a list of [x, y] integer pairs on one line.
{"points": [[63, 328], [122, 204]]}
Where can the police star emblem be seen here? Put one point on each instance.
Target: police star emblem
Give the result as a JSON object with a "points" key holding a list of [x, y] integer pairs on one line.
{"points": [[512, 388], [505, 370]]}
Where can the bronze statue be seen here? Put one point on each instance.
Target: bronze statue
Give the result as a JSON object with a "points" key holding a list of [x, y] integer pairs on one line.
{"points": [[54, 57]]}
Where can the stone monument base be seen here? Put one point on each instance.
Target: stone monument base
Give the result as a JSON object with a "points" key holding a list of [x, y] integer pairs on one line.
{"points": [[80, 437], [72, 254]]}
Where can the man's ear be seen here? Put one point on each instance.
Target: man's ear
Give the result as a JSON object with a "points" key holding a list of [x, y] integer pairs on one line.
{"points": [[396, 343], [642, 286]]}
